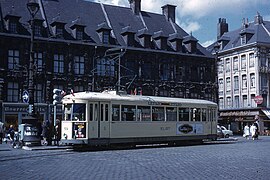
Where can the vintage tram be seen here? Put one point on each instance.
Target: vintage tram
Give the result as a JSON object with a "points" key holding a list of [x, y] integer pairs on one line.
{"points": [[107, 118]]}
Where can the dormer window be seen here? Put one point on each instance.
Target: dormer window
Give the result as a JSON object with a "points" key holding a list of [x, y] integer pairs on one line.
{"points": [[104, 32], [37, 30], [58, 27], [12, 22], [79, 34], [12, 27], [77, 28], [160, 40], [246, 34], [106, 37]]}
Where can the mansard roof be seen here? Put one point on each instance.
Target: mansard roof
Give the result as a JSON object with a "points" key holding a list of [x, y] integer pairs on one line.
{"points": [[259, 32], [93, 14]]}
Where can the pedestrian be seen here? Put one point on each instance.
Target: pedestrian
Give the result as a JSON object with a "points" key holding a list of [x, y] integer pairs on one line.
{"points": [[11, 132], [45, 132], [253, 131], [57, 132], [1, 132], [246, 131]]}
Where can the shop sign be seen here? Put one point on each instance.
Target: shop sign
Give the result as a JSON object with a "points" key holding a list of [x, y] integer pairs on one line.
{"points": [[258, 99], [239, 113]]}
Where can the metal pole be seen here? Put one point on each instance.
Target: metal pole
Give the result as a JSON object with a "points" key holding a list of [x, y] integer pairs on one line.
{"points": [[119, 74], [31, 68]]}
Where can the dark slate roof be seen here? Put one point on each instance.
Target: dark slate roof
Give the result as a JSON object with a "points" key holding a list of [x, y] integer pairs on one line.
{"points": [[92, 15], [259, 32]]}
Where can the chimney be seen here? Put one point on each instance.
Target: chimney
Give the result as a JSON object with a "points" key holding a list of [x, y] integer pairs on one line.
{"points": [[169, 11], [222, 27], [258, 19], [135, 5]]}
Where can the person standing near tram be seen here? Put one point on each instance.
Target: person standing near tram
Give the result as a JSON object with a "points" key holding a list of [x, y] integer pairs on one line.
{"points": [[246, 131], [1, 131]]}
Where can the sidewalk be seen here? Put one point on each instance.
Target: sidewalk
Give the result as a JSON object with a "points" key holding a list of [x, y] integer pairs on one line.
{"points": [[8, 147]]}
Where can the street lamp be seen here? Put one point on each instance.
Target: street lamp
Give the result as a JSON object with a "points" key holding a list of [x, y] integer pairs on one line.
{"points": [[33, 8]]}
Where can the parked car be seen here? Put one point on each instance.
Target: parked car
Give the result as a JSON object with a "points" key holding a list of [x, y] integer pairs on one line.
{"points": [[219, 132], [226, 132]]}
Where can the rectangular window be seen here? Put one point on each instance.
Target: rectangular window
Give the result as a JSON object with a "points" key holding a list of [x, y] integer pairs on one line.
{"points": [[195, 114], [79, 34], [115, 112], [221, 85], [164, 71], [128, 113], [220, 67], [236, 102], [228, 84], [106, 37], [171, 114], [245, 102], [146, 70], [58, 63], [228, 65], [253, 104], [251, 60], [229, 102], [12, 27], [236, 82], [105, 67], [158, 114], [244, 81], [203, 114], [13, 59], [79, 65], [243, 62], [183, 114], [38, 58], [221, 103], [59, 31], [235, 63], [252, 80], [264, 80], [143, 113], [37, 30], [13, 92], [39, 93]]}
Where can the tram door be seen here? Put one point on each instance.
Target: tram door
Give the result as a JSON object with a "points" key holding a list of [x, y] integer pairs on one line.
{"points": [[104, 127], [99, 125]]}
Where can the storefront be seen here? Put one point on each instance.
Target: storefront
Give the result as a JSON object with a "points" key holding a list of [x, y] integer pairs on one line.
{"points": [[14, 113], [235, 120]]}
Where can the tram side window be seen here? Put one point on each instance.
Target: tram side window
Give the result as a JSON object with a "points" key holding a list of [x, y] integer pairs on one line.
{"points": [[115, 112], [158, 114], [171, 114], [183, 114], [67, 112], [203, 114], [79, 112], [128, 113], [143, 113], [91, 112], [195, 114]]}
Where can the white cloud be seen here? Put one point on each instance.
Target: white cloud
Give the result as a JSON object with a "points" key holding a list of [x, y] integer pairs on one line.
{"points": [[207, 43], [190, 26]]}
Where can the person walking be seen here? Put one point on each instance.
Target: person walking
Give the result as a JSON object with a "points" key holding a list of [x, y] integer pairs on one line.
{"points": [[246, 131], [11, 132], [1, 132], [253, 131]]}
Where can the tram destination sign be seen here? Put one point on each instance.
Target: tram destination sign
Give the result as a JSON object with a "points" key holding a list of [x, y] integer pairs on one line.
{"points": [[163, 103]]}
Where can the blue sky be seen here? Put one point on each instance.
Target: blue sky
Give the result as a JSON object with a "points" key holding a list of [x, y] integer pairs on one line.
{"points": [[201, 16]]}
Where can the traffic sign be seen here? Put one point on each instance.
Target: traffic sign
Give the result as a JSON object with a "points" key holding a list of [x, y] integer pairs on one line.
{"points": [[258, 99], [25, 96]]}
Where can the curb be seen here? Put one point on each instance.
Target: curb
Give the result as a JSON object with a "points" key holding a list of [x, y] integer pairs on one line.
{"points": [[40, 148]]}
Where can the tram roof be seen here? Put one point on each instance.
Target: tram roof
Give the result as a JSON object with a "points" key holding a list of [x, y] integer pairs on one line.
{"points": [[112, 95]]}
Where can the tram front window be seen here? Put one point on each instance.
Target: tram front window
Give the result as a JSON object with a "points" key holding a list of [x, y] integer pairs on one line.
{"points": [[75, 112]]}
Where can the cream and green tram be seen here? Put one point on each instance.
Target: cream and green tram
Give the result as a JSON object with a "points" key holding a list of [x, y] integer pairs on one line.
{"points": [[106, 118]]}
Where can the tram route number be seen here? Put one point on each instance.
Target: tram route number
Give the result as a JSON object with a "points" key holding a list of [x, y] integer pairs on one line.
{"points": [[165, 128]]}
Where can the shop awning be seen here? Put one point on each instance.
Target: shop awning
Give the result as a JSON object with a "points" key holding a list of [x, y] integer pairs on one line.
{"points": [[266, 112]]}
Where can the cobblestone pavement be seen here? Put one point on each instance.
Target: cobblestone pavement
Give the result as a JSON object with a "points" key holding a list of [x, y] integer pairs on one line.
{"points": [[242, 159]]}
